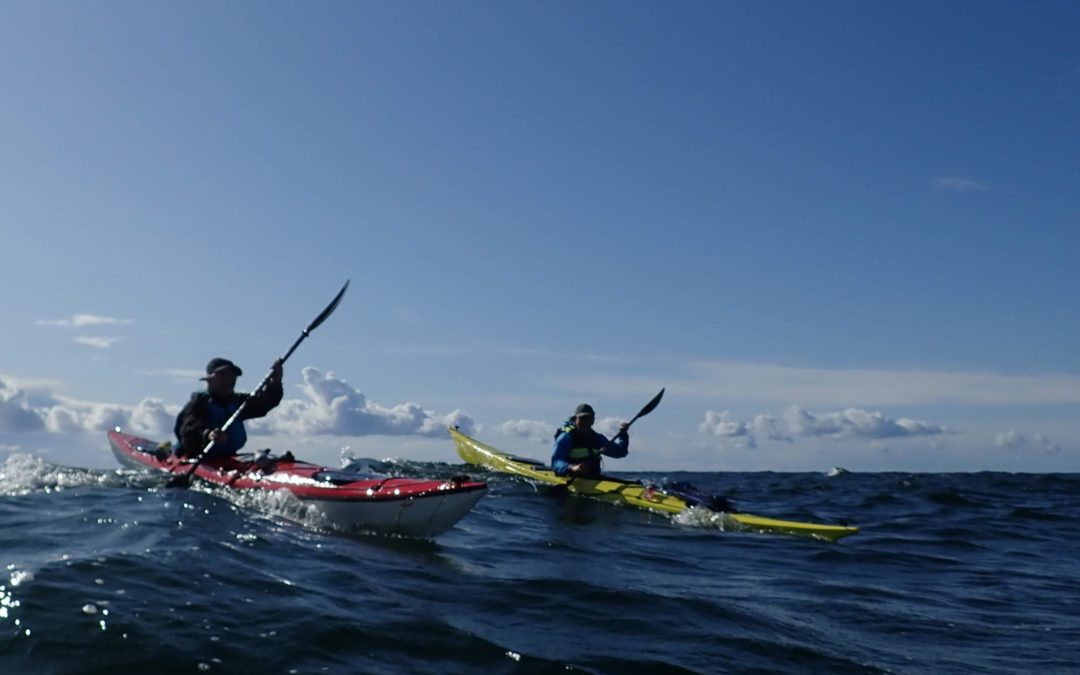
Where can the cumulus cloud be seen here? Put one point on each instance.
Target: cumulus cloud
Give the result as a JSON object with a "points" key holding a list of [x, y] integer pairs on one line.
{"points": [[957, 184], [544, 432], [98, 342], [150, 417], [16, 414], [83, 320], [742, 433], [855, 423], [60, 420], [769, 427], [1014, 440], [333, 407], [608, 426], [725, 426], [57, 414], [539, 432]]}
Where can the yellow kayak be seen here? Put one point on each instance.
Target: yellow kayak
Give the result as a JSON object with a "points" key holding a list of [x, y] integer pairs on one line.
{"points": [[618, 491]]}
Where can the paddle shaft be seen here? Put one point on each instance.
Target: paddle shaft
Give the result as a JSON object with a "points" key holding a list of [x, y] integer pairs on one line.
{"points": [[185, 478]]}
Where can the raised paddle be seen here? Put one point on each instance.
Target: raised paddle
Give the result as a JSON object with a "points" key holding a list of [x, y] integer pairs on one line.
{"points": [[649, 407], [183, 480]]}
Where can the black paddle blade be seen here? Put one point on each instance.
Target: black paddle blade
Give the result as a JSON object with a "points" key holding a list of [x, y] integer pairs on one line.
{"points": [[329, 309], [651, 405]]}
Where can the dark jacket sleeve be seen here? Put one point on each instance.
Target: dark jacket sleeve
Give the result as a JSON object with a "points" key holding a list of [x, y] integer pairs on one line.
{"points": [[263, 401], [616, 447], [193, 425]]}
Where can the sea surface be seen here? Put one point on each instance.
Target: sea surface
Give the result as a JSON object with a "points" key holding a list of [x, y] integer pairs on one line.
{"points": [[109, 572]]}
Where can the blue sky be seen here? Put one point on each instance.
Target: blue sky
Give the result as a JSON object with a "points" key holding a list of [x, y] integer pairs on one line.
{"points": [[841, 234]]}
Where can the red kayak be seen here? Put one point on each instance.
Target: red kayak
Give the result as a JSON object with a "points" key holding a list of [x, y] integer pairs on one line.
{"points": [[347, 501]]}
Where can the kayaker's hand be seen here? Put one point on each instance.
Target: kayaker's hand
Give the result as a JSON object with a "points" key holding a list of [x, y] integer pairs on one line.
{"points": [[276, 372], [580, 469], [216, 435]]}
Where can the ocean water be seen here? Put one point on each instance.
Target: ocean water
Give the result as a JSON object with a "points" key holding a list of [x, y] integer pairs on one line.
{"points": [[108, 572]]}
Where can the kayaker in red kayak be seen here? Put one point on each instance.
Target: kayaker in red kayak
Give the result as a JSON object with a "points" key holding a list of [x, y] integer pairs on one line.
{"points": [[205, 413], [578, 447]]}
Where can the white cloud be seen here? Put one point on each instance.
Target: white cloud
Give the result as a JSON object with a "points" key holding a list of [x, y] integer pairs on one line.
{"points": [[58, 414], [725, 426], [1015, 440], [742, 433], [539, 432], [957, 184], [855, 423], [83, 320], [98, 342], [335, 408], [608, 426], [544, 432], [16, 414], [31, 384], [60, 420], [104, 416], [1010, 439], [769, 427], [150, 417]]}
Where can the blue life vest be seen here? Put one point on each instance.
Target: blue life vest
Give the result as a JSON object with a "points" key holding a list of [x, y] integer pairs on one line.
{"points": [[219, 414], [581, 448]]}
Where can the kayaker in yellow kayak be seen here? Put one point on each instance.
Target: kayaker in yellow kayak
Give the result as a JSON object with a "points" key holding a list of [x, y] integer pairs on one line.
{"points": [[578, 447]]}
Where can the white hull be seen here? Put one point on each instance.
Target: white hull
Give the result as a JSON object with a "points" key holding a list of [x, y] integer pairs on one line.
{"points": [[411, 517]]}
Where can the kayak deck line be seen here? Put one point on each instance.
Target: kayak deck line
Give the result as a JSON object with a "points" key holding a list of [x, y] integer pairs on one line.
{"points": [[634, 493]]}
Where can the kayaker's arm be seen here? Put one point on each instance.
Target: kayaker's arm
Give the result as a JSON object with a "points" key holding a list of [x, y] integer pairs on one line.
{"points": [[560, 459], [194, 425], [618, 447], [266, 399]]}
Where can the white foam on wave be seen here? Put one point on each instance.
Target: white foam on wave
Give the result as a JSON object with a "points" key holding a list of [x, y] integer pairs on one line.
{"points": [[276, 503], [695, 516], [23, 474]]}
